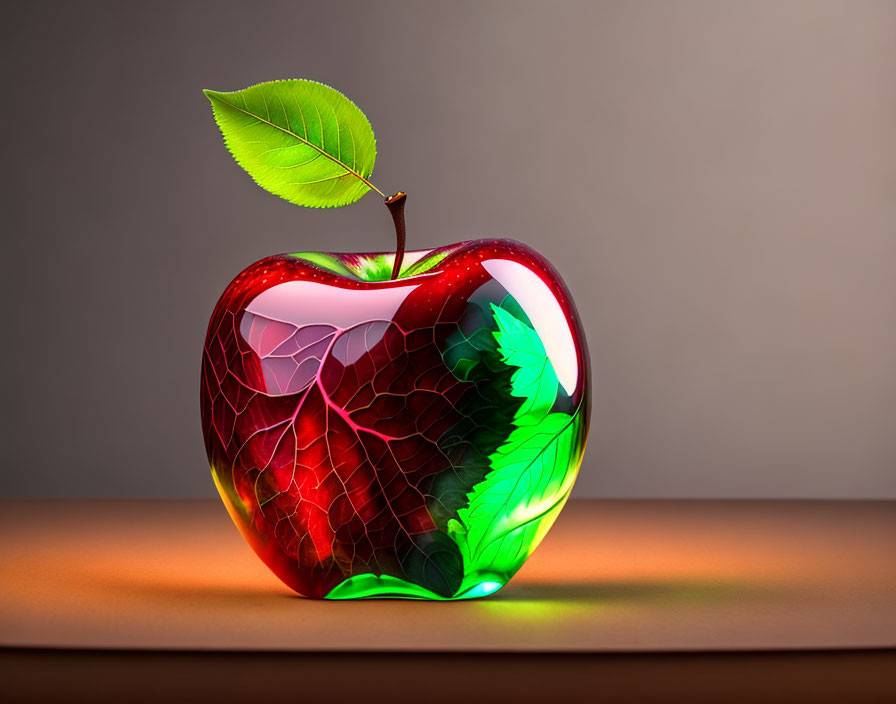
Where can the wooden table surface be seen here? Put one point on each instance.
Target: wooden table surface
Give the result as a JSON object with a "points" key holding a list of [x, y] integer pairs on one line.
{"points": [[612, 576]]}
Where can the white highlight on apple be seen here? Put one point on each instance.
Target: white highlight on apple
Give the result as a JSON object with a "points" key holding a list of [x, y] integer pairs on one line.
{"points": [[303, 303], [537, 300]]}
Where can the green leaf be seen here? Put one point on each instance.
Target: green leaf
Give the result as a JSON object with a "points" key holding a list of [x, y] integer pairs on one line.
{"points": [[487, 412], [370, 585], [531, 473], [535, 380], [513, 508], [300, 140]]}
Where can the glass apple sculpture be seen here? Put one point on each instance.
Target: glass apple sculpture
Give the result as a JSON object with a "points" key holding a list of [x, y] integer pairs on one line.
{"points": [[390, 424]]}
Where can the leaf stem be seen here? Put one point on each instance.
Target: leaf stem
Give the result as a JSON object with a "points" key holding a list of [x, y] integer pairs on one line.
{"points": [[395, 204]]}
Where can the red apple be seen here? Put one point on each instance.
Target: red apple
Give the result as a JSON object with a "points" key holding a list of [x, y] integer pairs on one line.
{"points": [[409, 437]]}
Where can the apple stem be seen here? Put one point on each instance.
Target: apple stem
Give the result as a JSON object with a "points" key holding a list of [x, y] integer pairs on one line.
{"points": [[395, 204]]}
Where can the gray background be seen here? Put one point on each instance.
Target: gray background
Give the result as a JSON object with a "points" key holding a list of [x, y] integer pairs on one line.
{"points": [[715, 181]]}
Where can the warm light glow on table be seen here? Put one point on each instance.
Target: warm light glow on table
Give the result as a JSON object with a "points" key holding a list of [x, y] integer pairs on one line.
{"points": [[610, 576]]}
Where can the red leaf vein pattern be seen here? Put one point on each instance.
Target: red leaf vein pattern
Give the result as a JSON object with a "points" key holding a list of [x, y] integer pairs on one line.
{"points": [[307, 428]]}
